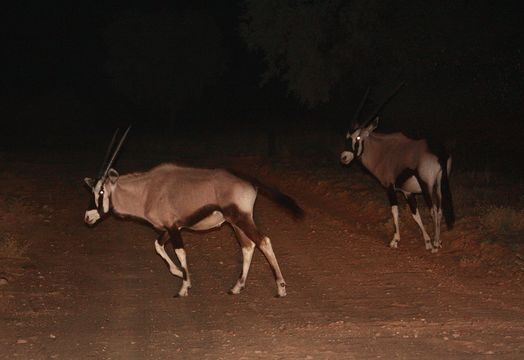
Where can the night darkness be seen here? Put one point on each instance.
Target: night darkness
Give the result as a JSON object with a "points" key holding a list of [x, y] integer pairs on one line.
{"points": [[179, 65], [266, 89]]}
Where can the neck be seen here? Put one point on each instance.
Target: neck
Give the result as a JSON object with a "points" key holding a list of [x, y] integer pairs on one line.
{"points": [[368, 148], [128, 197]]}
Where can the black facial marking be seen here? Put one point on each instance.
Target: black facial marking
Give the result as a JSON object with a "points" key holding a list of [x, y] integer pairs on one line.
{"points": [[101, 201], [354, 146], [349, 144], [92, 203]]}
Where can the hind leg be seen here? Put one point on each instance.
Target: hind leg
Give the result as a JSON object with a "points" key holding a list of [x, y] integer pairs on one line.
{"points": [[248, 248], [393, 201], [427, 190], [412, 202], [247, 225], [267, 250], [436, 212]]}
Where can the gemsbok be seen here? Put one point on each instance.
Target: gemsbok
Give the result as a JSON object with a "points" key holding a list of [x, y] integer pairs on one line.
{"points": [[172, 197], [406, 165]]}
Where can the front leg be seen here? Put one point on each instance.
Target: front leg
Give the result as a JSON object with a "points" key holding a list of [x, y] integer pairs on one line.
{"points": [[393, 201], [160, 250], [178, 245]]}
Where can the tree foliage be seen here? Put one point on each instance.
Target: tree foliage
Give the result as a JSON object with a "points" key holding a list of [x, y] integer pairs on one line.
{"points": [[310, 44], [319, 46]]}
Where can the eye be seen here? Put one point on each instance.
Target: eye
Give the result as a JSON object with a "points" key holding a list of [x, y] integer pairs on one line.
{"points": [[101, 192], [358, 138]]}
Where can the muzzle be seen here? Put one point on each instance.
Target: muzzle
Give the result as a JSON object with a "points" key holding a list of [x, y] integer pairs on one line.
{"points": [[96, 213], [346, 157]]}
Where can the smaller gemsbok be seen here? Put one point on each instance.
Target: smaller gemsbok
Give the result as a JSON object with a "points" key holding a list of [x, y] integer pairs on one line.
{"points": [[172, 197], [406, 165]]}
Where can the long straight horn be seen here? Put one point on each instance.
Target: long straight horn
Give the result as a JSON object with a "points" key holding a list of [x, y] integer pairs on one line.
{"points": [[108, 153], [115, 153], [377, 111], [360, 106]]}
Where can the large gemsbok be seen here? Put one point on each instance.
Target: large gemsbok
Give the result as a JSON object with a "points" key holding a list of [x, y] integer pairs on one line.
{"points": [[406, 165], [172, 197]]}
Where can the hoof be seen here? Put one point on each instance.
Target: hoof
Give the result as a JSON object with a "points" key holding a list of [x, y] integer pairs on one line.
{"points": [[434, 250], [281, 290], [183, 293], [235, 292]]}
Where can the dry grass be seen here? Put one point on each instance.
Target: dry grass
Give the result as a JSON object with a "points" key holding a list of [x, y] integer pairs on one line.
{"points": [[502, 221], [11, 247]]}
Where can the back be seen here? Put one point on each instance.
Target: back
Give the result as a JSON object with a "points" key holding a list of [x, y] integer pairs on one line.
{"points": [[177, 190], [387, 155]]}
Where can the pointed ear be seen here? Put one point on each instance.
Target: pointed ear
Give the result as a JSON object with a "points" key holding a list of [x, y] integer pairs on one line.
{"points": [[89, 182], [112, 175], [373, 125]]}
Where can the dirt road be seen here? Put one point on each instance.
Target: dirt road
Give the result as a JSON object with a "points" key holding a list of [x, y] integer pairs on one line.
{"points": [[103, 293]]}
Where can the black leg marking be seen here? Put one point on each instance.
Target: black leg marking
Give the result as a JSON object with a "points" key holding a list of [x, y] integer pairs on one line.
{"points": [[176, 240], [198, 215], [412, 202], [244, 222], [163, 238], [392, 195], [426, 192]]}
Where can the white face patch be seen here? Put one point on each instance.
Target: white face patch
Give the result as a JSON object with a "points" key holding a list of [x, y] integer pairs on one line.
{"points": [[346, 157], [91, 216]]}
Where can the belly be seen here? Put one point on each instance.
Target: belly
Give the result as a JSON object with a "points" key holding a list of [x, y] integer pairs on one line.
{"points": [[212, 221], [411, 185]]}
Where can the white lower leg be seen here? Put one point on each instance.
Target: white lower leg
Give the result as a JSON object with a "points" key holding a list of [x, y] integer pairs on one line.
{"points": [[396, 237], [172, 267], [427, 239], [247, 255], [438, 242], [267, 250], [186, 283], [436, 224]]}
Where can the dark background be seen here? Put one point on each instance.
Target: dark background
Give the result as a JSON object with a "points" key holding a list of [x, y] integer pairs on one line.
{"points": [[74, 71]]}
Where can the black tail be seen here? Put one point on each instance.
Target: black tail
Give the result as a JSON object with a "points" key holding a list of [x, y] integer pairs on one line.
{"points": [[447, 200], [273, 193]]}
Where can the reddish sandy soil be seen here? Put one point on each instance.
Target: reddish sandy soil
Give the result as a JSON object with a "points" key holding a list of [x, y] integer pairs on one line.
{"points": [[103, 293]]}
